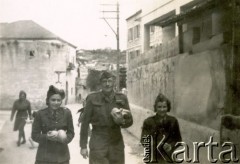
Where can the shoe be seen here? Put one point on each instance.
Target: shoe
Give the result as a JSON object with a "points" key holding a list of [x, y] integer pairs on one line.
{"points": [[18, 143], [23, 142]]}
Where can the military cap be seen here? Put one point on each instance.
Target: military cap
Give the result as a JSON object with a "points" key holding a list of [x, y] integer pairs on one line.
{"points": [[106, 75], [53, 90]]}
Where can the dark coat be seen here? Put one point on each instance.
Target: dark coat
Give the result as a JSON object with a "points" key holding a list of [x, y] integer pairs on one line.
{"points": [[52, 151], [80, 111], [106, 142], [23, 109], [155, 128]]}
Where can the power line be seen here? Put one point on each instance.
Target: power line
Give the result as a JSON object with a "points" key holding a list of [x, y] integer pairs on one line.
{"points": [[116, 32]]}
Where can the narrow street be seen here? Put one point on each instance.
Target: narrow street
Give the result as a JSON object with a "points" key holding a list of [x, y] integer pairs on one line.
{"points": [[11, 154]]}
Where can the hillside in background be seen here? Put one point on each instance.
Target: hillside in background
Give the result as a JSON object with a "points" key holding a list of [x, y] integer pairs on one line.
{"points": [[92, 62], [103, 55]]}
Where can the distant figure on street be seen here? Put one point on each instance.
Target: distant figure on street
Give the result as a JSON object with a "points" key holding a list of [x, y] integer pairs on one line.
{"points": [[53, 129], [23, 108], [79, 98], [80, 111], [108, 112], [161, 127]]}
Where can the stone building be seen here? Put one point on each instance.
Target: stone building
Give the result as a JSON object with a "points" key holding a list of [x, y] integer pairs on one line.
{"points": [[185, 49], [31, 59]]}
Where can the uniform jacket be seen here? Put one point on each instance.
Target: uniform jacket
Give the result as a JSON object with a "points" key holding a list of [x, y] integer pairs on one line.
{"points": [[52, 151], [105, 131], [156, 128]]}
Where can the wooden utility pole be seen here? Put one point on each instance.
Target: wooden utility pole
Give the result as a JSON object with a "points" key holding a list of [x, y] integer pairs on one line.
{"points": [[118, 49], [116, 32]]}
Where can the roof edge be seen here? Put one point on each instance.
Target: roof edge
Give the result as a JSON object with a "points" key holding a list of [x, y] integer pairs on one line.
{"points": [[136, 13], [53, 38]]}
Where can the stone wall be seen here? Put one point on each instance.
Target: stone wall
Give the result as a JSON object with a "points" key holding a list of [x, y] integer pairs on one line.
{"points": [[32, 72], [195, 85]]}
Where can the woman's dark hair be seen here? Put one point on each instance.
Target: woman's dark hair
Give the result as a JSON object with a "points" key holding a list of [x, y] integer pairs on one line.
{"points": [[52, 91], [22, 92], [162, 98]]}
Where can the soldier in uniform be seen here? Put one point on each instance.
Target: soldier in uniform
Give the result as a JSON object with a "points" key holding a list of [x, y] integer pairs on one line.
{"points": [[108, 112], [53, 130]]}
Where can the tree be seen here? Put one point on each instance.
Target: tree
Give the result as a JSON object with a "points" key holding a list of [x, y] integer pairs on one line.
{"points": [[93, 79]]}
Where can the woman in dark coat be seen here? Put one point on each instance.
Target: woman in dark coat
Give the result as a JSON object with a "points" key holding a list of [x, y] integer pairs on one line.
{"points": [[23, 108], [53, 130], [160, 128]]}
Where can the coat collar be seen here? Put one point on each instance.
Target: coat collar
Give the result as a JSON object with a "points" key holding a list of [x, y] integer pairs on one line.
{"points": [[59, 113], [161, 120], [109, 98]]}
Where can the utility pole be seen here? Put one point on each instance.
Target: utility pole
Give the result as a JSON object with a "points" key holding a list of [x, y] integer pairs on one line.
{"points": [[116, 32], [118, 51]]}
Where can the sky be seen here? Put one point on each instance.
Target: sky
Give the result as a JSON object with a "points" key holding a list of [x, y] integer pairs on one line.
{"points": [[76, 21]]}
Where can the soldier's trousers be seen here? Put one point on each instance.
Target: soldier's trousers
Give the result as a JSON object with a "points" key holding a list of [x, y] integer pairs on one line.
{"points": [[107, 156]]}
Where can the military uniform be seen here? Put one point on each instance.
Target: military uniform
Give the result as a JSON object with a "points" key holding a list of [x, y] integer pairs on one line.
{"points": [[156, 127], [106, 143], [52, 151]]}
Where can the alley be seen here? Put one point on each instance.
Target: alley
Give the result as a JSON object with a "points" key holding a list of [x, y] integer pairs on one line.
{"points": [[11, 154]]}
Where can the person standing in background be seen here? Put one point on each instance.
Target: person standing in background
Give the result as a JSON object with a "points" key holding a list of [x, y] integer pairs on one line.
{"points": [[23, 108]]}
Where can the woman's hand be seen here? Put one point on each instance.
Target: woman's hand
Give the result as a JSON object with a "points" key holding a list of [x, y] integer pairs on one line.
{"points": [[167, 147], [84, 153], [62, 136], [52, 135]]}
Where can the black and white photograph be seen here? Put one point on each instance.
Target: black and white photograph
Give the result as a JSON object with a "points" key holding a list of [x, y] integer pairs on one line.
{"points": [[119, 81]]}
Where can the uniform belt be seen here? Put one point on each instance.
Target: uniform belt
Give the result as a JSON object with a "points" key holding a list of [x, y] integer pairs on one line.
{"points": [[104, 128]]}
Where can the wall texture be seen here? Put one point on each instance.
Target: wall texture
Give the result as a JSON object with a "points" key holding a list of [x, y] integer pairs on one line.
{"points": [[33, 72], [195, 85]]}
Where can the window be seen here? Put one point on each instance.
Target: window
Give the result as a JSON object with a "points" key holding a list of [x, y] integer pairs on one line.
{"points": [[49, 54], [31, 53], [136, 31], [132, 54], [130, 34], [137, 52], [152, 29], [196, 35]]}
